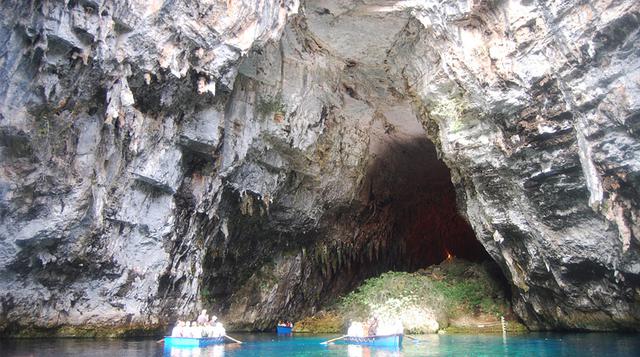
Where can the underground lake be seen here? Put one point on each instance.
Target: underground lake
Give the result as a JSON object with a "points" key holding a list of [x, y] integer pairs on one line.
{"points": [[391, 177]]}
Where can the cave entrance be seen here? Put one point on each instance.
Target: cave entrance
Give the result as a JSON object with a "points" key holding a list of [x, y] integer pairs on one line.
{"points": [[411, 189]]}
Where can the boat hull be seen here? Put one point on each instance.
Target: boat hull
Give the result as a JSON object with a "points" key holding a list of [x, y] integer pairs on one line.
{"points": [[189, 342], [378, 341], [283, 329]]}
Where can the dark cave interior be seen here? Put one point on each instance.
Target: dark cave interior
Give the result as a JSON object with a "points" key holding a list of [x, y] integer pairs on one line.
{"points": [[415, 187]]}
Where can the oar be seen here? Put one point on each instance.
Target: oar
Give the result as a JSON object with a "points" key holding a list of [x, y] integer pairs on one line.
{"points": [[415, 339], [232, 339], [333, 339], [161, 340]]}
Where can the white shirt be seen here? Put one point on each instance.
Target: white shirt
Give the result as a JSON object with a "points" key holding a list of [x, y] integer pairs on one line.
{"points": [[356, 330]]}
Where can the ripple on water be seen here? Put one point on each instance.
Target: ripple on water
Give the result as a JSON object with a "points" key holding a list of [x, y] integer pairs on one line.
{"points": [[270, 345]]}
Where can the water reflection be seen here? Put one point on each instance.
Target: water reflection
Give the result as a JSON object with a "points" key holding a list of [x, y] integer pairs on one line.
{"points": [[269, 345], [209, 351], [355, 351], [367, 351]]}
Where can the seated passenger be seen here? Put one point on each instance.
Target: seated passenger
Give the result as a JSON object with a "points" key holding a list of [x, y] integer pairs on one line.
{"points": [[397, 327], [372, 326], [209, 329], [351, 331], [219, 330], [202, 318], [199, 331], [186, 329], [385, 329], [356, 329], [203, 330], [193, 329], [177, 329]]}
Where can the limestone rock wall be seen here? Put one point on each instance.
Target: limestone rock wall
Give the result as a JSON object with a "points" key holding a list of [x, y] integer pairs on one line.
{"points": [[534, 105], [102, 107]]}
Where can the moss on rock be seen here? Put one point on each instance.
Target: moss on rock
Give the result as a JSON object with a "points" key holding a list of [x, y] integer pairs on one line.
{"points": [[455, 292], [323, 322]]}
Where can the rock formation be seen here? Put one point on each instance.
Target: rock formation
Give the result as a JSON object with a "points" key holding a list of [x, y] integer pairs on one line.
{"points": [[262, 157]]}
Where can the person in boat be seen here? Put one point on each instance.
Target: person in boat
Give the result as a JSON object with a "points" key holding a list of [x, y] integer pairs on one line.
{"points": [[195, 330], [372, 327], [397, 327], [209, 329], [199, 331], [219, 330], [177, 329], [203, 318], [186, 329], [356, 329], [385, 329]]}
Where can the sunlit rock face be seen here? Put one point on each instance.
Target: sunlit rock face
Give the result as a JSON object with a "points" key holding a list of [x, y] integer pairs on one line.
{"points": [[105, 108], [535, 105], [145, 175]]}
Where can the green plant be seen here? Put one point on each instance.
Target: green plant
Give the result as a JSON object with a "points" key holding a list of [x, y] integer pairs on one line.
{"points": [[460, 287], [44, 128], [390, 293], [454, 110], [205, 293], [271, 104]]}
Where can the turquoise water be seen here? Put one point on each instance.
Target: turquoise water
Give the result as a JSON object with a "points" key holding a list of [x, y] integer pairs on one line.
{"points": [[270, 345]]}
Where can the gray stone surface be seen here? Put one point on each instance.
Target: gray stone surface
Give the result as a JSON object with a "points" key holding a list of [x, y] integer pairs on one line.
{"points": [[97, 99], [160, 169]]}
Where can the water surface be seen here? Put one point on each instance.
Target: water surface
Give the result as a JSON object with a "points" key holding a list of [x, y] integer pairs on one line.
{"points": [[270, 345]]}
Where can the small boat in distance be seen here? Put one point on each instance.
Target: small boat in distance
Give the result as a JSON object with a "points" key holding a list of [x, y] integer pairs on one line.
{"points": [[187, 342], [283, 330], [378, 341], [284, 327]]}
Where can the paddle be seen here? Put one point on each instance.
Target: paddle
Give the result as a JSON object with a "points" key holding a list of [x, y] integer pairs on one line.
{"points": [[232, 339], [415, 339], [162, 340], [333, 339]]}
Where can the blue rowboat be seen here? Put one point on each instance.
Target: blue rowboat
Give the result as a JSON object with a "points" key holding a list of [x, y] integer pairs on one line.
{"points": [[283, 330], [186, 342], [378, 341]]}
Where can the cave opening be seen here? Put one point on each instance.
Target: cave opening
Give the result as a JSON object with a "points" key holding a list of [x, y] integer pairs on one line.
{"points": [[410, 189], [417, 187]]}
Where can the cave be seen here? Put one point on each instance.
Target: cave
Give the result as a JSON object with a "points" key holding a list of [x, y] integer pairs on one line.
{"points": [[404, 217], [413, 188]]}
